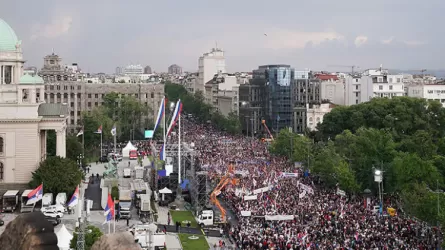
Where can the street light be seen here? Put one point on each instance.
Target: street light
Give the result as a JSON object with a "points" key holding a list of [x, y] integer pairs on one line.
{"points": [[378, 177]]}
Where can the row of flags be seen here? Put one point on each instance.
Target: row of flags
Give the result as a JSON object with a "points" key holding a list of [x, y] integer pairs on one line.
{"points": [[99, 131], [174, 120], [37, 194]]}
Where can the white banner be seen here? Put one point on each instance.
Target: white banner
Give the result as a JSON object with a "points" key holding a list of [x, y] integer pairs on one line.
{"points": [[250, 197], [261, 190], [239, 192], [246, 213], [341, 192], [302, 194], [308, 189], [279, 217], [284, 175]]}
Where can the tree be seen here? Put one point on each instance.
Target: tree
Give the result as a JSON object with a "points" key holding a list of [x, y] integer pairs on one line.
{"points": [[195, 104], [92, 234], [73, 147], [58, 175]]}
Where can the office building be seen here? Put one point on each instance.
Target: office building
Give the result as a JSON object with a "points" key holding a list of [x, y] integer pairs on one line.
{"points": [[118, 71], [54, 71], [175, 69], [132, 70], [24, 116]]}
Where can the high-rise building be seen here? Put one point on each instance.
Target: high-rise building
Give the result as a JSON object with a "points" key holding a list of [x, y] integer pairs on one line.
{"points": [[147, 70], [118, 71], [175, 69], [210, 64]]}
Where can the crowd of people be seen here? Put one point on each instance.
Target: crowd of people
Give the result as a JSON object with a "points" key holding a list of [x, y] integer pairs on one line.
{"points": [[279, 206]]}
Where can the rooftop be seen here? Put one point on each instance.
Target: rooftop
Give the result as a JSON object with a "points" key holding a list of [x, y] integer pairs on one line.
{"points": [[53, 110]]}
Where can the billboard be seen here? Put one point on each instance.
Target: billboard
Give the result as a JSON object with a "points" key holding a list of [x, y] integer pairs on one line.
{"points": [[149, 134]]}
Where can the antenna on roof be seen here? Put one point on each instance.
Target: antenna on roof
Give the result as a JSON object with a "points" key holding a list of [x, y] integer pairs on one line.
{"points": [[53, 50]]}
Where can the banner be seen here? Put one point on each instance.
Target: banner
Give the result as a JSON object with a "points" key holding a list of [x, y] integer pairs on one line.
{"points": [[239, 192], [341, 192], [261, 190], [250, 197], [279, 217], [246, 213], [302, 194], [284, 175], [308, 189]]}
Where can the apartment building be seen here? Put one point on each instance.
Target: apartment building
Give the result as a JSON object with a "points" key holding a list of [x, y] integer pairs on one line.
{"points": [[361, 88], [210, 64], [222, 93]]}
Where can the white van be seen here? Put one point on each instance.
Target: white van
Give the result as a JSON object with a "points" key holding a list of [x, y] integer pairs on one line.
{"points": [[127, 172]]}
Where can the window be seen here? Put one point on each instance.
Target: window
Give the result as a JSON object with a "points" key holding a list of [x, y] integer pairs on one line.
{"points": [[1, 145], [96, 95], [152, 95], [390, 80], [356, 101], [356, 94], [356, 87], [356, 80], [398, 79], [380, 87], [2, 170], [390, 86], [89, 104], [65, 87], [89, 95]]}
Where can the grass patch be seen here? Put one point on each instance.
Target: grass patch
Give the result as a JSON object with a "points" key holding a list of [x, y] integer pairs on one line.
{"points": [[198, 244], [183, 216]]}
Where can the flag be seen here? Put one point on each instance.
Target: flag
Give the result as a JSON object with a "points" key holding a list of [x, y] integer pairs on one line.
{"points": [[80, 133], [99, 130], [113, 130], [74, 199], [176, 114], [161, 113], [109, 209], [162, 153], [35, 195]]}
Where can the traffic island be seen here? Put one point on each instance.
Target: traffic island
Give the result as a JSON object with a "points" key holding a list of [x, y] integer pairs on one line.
{"points": [[193, 242]]}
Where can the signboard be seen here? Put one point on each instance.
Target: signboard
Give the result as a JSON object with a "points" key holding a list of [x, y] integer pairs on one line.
{"points": [[149, 134]]}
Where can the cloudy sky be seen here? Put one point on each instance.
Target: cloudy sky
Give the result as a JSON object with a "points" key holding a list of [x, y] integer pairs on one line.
{"points": [[103, 34]]}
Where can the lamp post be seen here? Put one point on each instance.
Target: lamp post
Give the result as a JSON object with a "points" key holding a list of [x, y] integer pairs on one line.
{"points": [[80, 160], [378, 177]]}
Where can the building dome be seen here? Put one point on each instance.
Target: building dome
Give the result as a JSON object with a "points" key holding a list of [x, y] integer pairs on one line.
{"points": [[29, 79], [8, 38]]}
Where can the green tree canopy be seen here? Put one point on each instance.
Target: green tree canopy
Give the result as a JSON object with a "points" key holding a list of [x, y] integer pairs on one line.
{"points": [[92, 234], [58, 175], [195, 104], [73, 147]]}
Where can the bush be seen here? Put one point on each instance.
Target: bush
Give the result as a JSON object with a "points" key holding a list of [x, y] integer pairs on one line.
{"points": [[115, 193], [92, 234]]}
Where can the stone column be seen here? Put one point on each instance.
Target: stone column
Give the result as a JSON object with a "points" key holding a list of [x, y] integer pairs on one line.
{"points": [[3, 74], [60, 142], [42, 144]]}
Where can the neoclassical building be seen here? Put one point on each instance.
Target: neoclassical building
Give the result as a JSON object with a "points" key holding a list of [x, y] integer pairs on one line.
{"points": [[25, 118]]}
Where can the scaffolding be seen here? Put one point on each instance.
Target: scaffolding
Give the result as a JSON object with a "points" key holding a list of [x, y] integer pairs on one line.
{"points": [[190, 170]]}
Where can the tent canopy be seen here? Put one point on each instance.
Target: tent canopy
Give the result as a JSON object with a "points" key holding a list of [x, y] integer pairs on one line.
{"points": [[63, 238], [165, 191], [127, 149]]}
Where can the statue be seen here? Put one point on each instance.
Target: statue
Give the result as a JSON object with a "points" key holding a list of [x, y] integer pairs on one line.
{"points": [[111, 169]]}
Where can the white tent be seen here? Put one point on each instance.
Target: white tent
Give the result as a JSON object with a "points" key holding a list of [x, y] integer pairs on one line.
{"points": [[127, 149], [63, 238], [165, 191]]}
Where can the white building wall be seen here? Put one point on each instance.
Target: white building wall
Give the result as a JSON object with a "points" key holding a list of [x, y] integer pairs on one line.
{"points": [[210, 64], [334, 91], [315, 115], [430, 92]]}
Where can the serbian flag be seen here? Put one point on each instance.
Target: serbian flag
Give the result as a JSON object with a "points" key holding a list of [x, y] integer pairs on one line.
{"points": [[99, 130], [74, 199], [176, 114], [162, 153], [109, 209], [161, 113], [35, 195]]}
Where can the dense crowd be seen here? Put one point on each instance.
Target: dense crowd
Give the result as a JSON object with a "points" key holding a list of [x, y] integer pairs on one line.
{"points": [[311, 217]]}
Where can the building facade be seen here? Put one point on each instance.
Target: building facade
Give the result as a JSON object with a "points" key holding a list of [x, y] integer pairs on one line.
{"points": [[54, 71], [84, 97], [361, 88], [434, 92], [24, 116], [131, 70], [315, 114], [222, 93], [175, 69], [147, 70], [210, 64]]}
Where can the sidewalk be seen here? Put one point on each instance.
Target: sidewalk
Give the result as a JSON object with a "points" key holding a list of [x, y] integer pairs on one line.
{"points": [[163, 215]]}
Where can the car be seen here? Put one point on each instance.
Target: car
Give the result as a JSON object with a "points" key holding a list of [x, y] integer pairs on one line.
{"points": [[53, 214], [57, 208], [2, 222]]}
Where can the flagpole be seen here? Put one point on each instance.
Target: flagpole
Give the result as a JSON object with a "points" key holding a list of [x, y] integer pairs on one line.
{"points": [[114, 217], [115, 133], [109, 226], [163, 128], [179, 146], [83, 140]]}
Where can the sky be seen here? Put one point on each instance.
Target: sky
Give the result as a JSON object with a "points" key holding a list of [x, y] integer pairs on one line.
{"points": [[319, 35]]}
